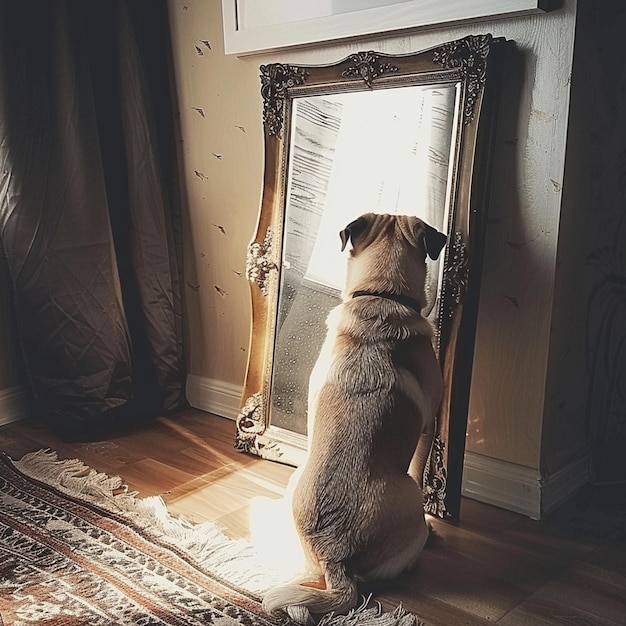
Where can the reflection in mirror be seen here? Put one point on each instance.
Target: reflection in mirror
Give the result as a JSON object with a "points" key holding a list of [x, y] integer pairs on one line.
{"points": [[384, 151], [405, 134]]}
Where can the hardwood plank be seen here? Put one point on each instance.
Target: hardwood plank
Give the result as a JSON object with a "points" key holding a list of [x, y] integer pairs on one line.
{"points": [[537, 611], [151, 477], [215, 497], [20, 438], [485, 517], [432, 611], [210, 458], [461, 582], [590, 590], [504, 554], [610, 556], [236, 523], [563, 603]]}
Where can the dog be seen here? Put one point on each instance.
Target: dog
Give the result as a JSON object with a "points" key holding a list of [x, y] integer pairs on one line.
{"points": [[357, 499]]}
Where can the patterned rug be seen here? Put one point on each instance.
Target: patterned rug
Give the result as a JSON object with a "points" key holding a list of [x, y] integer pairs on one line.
{"points": [[77, 549]]}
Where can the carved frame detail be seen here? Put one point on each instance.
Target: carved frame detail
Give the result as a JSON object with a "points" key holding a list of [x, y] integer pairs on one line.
{"points": [[259, 262], [367, 66], [250, 423], [457, 270], [436, 479], [469, 56], [276, 80]]}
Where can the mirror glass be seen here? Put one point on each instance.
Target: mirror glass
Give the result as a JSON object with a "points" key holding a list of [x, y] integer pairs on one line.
{"points": [[401, 134], [386, 151]]}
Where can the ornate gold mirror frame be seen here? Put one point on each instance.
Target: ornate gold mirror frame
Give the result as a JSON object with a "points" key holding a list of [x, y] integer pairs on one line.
{"points": [[467, 67]]}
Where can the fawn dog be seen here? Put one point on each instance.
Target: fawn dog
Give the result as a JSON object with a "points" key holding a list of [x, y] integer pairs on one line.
{"points": [[376, 387]]}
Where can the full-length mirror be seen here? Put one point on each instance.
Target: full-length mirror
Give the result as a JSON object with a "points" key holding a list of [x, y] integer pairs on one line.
{"points": [[373, 133]]}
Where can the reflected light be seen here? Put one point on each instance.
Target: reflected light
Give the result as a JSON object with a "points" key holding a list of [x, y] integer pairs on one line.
{"points": [[274, 537]]}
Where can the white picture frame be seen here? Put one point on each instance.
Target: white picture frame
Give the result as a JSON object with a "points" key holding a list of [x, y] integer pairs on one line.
{"points": [[252, 26]]}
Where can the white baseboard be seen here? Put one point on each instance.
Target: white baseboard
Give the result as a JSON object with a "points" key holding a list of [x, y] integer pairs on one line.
{"points": [[506, 485], [214, 396], [520, 489], [500, 483], [565, 483], [14, 405]]}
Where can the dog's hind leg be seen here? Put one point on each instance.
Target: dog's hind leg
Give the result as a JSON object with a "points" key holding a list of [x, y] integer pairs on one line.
{"points": [[420, 456], [399, 533]]}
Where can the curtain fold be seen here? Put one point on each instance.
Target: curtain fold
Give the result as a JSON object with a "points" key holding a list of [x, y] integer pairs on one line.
{"points": [[89, 214]]}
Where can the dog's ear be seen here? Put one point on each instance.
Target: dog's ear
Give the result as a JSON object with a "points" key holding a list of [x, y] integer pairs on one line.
{"points": [[353, 230], [434, 241]]}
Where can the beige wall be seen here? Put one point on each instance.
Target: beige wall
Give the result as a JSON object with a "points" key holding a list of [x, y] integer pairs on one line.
{"points": [[508, 389], [221, 145]]}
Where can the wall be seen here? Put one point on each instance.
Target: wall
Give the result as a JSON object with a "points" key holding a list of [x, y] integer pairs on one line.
{"points": [[220, 116]]}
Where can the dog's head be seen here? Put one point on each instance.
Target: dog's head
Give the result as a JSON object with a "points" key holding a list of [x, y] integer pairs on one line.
{"points": [[371, 226], [389, 253]]}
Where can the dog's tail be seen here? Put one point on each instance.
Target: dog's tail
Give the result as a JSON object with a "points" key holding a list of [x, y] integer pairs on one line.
{"points": [[339, 596]]}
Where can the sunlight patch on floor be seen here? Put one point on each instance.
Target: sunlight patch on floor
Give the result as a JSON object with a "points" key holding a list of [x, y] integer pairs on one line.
{"points": [[197, 441]]}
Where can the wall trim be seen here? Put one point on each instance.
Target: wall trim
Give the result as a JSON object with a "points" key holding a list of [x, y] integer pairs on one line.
{"points": [[14, 405], [503, 484], [214, 396], [562, 485], [521, 489], [500, 483]]}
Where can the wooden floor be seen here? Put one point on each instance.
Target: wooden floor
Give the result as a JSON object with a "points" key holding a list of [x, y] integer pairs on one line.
{"points": [[492, 567]]}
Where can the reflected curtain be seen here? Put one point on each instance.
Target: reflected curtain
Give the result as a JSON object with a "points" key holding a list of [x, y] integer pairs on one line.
{"points": [[89, 212]]}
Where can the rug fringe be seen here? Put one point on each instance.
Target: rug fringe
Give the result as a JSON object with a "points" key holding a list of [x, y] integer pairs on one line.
{"points": [[231, 559], [364, 615], [234, 560]]}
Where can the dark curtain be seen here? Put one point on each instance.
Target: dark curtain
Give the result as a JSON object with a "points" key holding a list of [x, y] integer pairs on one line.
{"points": [[89, 213]]}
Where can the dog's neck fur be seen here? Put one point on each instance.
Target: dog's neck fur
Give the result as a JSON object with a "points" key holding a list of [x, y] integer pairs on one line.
{"points": [[407, 301]]}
